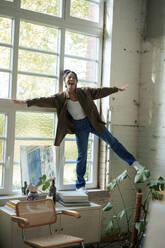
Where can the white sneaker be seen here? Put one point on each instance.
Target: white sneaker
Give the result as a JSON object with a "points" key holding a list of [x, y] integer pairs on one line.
{"points": [[137, 165], [81, 189]]}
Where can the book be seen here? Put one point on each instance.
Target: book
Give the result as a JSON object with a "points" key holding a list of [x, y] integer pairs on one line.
{"points": [[12, 203], [73, 196], [71, 204]]}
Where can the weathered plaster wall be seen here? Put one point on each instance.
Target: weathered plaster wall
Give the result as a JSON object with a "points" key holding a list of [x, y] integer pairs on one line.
{"points": [[128, 23], [124, 41], [152, 91], [155, 19], [136, 57]]}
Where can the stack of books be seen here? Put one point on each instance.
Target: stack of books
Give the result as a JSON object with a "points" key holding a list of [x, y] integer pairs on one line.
{"points": [[11, 203], [73, 198]]}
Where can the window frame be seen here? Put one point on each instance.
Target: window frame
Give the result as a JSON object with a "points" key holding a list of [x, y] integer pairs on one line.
{"points": [[65, 22]]}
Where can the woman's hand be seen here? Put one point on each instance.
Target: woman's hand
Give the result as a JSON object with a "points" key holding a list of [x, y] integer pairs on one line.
{"points": [[125, 87], [19, 101]]}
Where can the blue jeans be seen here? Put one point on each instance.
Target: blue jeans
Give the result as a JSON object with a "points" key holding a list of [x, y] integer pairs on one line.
{"points": [[82, 129]]}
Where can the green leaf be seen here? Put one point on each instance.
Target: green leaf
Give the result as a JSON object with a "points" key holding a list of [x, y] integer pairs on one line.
{"points": [[121, 214], [147, 173], [108, 207], [39, 183], [112, 184], [139, 226], [142, 175], [122, 176], [157, 196], [44, 177], [157, 185], [138, 178], [45, 186], [109, 228]]}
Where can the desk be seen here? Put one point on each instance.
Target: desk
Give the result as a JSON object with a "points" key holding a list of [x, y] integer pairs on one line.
{"points": [[87, 227]]}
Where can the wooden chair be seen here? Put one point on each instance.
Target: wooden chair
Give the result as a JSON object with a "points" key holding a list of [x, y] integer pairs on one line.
{"points": [[38, 213]]}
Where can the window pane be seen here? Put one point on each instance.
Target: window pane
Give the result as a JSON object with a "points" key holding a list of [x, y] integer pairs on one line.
{"points": [[5, 57], [2, 124], [16, 167], [32, 86], [88, 174], [1, 150], [86, 84], [1, 168], [81, 45], [34, 124], [37, 62], [90, 149], [19, 143], [5, 30], [85, 10], [16, 177], [39, 37], [2, 133], [69, 173], [31, 125], [70, 150], [4, 84], [85, 69], [50, 7]]}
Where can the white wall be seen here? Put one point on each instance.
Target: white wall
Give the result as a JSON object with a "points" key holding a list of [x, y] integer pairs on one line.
{"points": [[137, 59], [128, 25], [152, 91], [124, 68]]}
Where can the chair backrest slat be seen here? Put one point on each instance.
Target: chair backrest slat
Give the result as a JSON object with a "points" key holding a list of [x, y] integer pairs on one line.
{"points": [[38, 212]]}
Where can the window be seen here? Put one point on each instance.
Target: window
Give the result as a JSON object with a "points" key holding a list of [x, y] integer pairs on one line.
{"points": [[81, 56], [88, 10], [37, 60], [3, 118], [30, 129], [38, 40], [6, 52], [50, 7], [70, 155]]}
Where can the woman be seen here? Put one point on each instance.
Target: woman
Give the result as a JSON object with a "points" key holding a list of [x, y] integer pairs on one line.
{"points": [[77, 113]]}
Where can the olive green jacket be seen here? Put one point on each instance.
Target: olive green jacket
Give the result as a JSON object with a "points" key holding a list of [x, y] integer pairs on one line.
{"points": [[85, 97]]}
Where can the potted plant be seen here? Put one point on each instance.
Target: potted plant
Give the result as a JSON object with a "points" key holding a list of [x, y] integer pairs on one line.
{"points": [[44, 183], [136, 218]]}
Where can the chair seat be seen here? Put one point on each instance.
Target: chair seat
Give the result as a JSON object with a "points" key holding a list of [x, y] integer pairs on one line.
{"points": [[56, 240]]}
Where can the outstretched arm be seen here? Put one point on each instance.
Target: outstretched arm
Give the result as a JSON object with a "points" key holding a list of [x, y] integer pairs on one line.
{"points": [[125, 87], [47, 102], [97, 93], [19, 101]]}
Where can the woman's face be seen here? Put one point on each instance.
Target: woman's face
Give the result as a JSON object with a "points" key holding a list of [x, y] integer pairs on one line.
{"points": [[70, 82]]}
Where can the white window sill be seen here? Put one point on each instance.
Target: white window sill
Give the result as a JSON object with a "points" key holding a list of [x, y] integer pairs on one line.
{"points": [[5, 198]]}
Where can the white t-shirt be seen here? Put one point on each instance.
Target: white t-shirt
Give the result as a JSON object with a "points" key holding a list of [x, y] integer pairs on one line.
{"points": [[75, 110]]}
